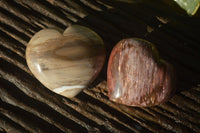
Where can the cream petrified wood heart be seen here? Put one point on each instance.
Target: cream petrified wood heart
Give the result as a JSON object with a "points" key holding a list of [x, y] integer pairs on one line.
{"points": [[66, 63]]}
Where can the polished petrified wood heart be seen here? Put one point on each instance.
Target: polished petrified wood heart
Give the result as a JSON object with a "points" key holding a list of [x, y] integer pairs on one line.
{"points": [[66, 63], [137, 76]]}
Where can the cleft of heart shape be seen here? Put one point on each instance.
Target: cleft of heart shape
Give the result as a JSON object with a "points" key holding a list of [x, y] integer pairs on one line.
{"points": [[66, 63]]}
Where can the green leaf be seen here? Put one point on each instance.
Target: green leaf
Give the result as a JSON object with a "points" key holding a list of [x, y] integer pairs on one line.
{"points": [[191, 6]]}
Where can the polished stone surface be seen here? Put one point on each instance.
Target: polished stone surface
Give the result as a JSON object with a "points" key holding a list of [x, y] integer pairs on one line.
{"points": [[66, 63], [136, 75]]}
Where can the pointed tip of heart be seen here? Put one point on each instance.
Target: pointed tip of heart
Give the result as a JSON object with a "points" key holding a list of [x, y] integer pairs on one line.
{"points": [[69, 91]]}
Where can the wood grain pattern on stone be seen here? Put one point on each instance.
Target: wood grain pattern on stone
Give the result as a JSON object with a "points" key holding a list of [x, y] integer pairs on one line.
{"points": [[91, 111], [66, 63], [137, 76]]}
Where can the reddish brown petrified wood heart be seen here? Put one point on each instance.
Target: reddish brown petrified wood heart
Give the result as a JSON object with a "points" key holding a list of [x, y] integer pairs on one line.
{"points": [[137, 76]]}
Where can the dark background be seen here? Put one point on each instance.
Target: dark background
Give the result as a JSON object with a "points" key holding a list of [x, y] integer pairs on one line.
{"points": [[27, 106]]}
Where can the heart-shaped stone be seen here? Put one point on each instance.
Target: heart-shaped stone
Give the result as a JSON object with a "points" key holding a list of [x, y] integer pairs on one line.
{"points": [[137, 76], [66, 63]]}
